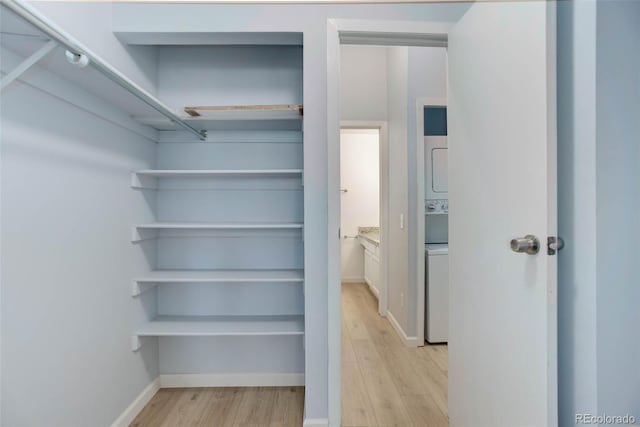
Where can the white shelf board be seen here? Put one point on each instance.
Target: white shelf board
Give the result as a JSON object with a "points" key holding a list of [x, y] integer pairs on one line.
{"points": [[185, 326], [204, 173], [182, 277], [212, 276], [219, 226], [142, 232]]}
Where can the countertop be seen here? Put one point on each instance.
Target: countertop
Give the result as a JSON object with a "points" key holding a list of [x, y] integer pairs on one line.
{"points": [[372, 234]]}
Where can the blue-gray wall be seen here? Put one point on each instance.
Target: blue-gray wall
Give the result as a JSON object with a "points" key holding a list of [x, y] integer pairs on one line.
{"points": [[599, 197], [618, 206], [577, 210], [67, 262]]}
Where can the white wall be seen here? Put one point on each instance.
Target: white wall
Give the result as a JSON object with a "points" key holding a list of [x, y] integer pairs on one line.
{"points": [[363, 83], [397, 73], [67, 260], [360, 175], [413, 73], [427, 78], [211, 75]]}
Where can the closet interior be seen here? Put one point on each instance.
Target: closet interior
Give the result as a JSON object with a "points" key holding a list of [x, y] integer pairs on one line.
{"points": [[217, 227]]}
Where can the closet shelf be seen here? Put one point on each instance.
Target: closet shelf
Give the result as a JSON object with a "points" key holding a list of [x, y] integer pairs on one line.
{"points": [[204, 173], [220, 226], [179, 277], [149, 231], [208, 276], [237, 117], [212, 326]]}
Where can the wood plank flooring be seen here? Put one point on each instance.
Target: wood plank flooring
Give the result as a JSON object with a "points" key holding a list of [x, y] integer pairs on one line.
{"points": [[384, 383], [222, 407]]}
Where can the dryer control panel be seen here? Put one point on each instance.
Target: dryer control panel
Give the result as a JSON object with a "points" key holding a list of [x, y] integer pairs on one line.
{"points": [[436, 206]]}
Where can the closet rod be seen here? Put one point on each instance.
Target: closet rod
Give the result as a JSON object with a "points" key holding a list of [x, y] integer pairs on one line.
{"points": [[35, 18]]}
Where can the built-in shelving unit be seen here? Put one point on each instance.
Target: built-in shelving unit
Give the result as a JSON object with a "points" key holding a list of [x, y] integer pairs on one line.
{"points": [[224, 235], [241, 187]]}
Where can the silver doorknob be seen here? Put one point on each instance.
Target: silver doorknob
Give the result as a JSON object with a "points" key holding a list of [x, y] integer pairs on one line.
{"points": [[528, 244]]}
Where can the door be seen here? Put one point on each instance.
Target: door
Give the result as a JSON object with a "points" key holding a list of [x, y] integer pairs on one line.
{"points": [[502, 185]]}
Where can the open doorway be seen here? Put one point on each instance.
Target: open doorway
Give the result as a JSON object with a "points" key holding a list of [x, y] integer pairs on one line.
{"points": [[389, 375]]}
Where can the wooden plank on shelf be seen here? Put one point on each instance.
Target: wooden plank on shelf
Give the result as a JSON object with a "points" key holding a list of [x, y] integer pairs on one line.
{"points": [[195, 111]]}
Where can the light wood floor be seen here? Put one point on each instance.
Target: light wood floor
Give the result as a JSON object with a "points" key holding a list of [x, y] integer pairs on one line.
{"points": [[384, 383], [233, 406]]}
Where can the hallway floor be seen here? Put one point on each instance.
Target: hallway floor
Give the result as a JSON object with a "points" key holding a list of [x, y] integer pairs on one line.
{"points": [[385, 383]]}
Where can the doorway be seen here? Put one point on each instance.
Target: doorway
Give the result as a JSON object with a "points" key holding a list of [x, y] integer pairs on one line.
{"points": [[389, 376]]}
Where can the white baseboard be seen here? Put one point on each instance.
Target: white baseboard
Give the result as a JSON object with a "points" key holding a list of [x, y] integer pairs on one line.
{"points": [[230, 380], [315, 422], [373, 290], [352, 279], [408, 341], [137, 405]]}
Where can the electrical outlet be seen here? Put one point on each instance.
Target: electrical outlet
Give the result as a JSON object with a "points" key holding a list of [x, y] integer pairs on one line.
{"points": [[402, 299], [401, 221]]}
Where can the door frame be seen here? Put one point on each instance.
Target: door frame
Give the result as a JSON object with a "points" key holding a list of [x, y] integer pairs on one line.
{"points": [[381, 127], [371, 32], [420, 209]]}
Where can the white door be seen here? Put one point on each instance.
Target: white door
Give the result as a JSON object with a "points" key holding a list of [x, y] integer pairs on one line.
{"points": [[502, 185]]}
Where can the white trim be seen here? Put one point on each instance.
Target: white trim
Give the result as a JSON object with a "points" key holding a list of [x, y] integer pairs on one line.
{"points": [[373, 290], [393, 29], [334, 261], [230, 380], [354, 279], [408, 341], [137, 405], [315, 422], [420, 193]]}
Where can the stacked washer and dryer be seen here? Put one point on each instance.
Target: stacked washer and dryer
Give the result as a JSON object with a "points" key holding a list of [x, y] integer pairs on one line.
{"points": [[436, 225]]}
